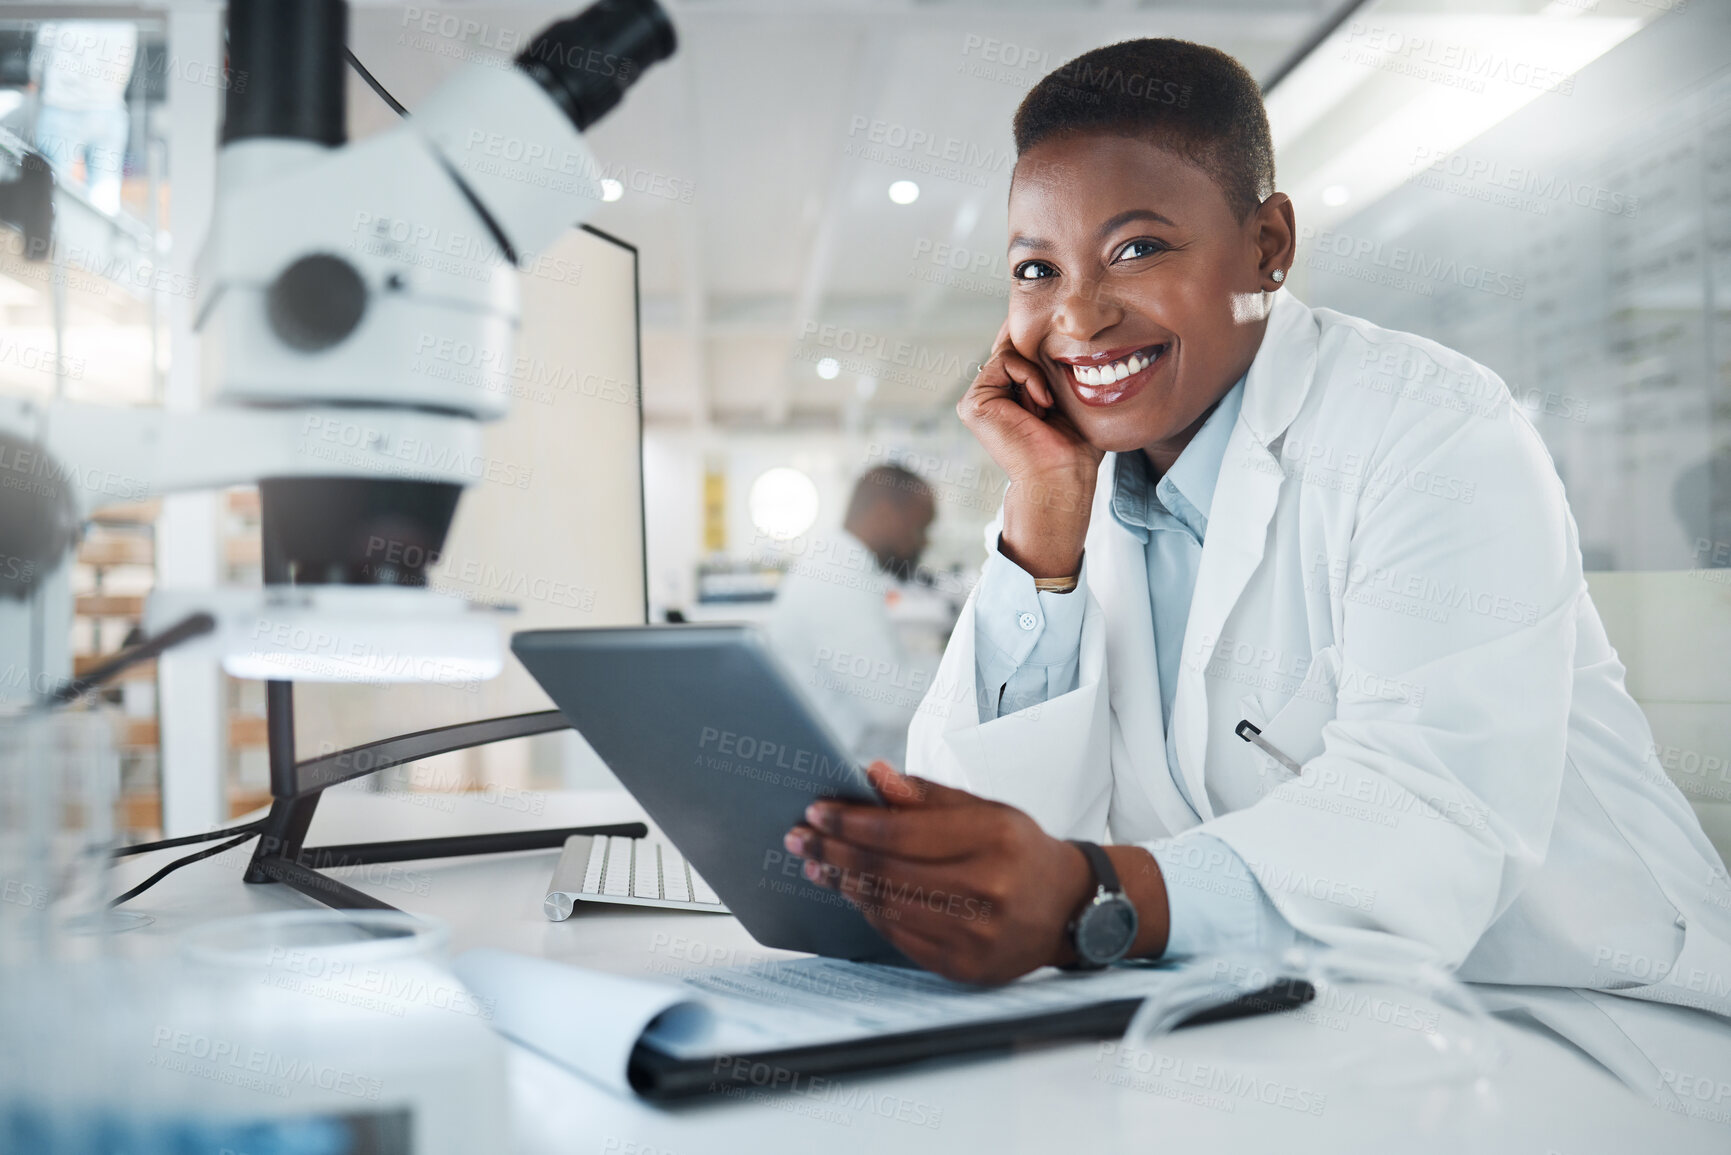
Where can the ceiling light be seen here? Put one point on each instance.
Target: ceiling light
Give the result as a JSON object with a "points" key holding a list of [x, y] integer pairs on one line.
{"points": [[1462, 84], [904, 192], [611, 190], [1336, 195], [783, 502], [828, 368]]}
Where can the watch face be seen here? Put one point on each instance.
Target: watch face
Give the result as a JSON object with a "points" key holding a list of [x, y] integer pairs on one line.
{"points": [[1106, 930]]}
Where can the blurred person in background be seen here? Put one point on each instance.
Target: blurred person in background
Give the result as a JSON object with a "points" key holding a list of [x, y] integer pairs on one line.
{"points": [[81, 69], [831, 619]]}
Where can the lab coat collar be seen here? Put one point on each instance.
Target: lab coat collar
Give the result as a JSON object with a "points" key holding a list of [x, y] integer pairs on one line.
{"points": [[1245, 496], [1281, 373]]}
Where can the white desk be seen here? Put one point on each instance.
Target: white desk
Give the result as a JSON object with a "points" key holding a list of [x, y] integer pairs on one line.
{"points": [[1056, 1099]]}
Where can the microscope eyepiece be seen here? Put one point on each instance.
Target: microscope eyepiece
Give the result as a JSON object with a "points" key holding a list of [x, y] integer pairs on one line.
{"points": [[587, 62]]}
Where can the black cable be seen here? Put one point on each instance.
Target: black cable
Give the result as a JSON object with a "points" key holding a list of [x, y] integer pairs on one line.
{"points": [[372, 82], [189, 627], [187, 839], [177, 864]]}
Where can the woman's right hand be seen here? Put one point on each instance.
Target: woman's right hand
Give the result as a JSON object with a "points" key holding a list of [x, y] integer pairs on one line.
{"points": [[1010, 408]]}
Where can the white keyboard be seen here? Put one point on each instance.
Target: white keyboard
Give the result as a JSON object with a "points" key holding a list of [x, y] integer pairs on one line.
{"points": [[629, 871]]}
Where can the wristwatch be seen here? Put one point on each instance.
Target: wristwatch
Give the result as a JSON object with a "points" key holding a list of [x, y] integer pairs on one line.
{"points": [[1105, 928]]}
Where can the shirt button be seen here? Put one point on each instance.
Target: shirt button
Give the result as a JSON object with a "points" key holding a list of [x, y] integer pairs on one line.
{"points": [[1027, 621]]}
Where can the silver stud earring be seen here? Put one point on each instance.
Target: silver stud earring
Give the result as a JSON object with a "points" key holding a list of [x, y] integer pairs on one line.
{"points": [[1279, 275]]}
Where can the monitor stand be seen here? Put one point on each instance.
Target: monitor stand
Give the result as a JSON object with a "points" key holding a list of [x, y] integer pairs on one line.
{"points": [[281, 855]]}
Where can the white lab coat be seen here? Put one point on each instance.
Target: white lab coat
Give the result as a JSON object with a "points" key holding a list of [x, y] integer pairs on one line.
{"points": [[1391, 587], [831, 626]]}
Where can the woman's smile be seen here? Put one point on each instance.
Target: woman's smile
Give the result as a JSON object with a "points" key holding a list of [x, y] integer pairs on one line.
{"points": [[1100, 379]]}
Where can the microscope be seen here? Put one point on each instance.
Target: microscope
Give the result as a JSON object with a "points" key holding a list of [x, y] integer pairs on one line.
{"points": [[306, 342]]}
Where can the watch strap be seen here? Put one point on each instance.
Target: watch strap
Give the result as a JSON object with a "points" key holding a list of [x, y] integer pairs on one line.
{"points": [[1101, 864]]}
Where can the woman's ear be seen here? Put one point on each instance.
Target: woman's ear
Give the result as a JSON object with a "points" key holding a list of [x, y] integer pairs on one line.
{"points": [[1275, 235]]}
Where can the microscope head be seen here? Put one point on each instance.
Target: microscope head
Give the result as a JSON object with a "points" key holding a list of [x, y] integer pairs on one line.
{"points": [[320, 296]]}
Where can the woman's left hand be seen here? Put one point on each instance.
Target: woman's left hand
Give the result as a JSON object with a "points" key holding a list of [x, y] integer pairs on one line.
{"points": [[971, 889]]}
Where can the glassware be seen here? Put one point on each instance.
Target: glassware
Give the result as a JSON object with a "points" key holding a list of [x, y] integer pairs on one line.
{"points": [[59, 792], [300, 1033], [1385, 1022]]}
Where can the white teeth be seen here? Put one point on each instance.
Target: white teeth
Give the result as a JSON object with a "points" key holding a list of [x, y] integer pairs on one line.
{"points": [[1116, 371]]}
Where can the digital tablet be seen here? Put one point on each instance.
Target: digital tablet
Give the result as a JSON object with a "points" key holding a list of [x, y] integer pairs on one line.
{"points": [[713, 738]]}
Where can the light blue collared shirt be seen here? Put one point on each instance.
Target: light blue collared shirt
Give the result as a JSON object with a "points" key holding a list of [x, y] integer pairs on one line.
{"points": [[1027, 645]]}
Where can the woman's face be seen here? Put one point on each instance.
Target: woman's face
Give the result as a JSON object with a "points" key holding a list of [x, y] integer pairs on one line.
{"points": [[1136, 287]]}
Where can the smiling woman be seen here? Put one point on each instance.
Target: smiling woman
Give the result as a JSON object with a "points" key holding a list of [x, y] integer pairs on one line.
{"points": [[1194, 457]]}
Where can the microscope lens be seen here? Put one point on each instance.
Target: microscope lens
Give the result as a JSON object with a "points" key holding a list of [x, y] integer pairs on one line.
{"points": [[587, 62]]}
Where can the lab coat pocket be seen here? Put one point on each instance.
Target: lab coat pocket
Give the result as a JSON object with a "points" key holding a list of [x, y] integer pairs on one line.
{"points": [[1296, 727]]}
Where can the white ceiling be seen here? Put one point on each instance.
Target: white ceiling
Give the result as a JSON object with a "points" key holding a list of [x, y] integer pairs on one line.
{"points": [[767, 241]]}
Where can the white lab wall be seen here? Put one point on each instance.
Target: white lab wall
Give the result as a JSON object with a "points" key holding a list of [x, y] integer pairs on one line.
{"points": [[1577, 250], [1672, 632]]}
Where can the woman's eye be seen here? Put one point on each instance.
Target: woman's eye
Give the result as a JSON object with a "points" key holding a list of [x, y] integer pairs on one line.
{"points": [[1034, 271], [1140, 248]]}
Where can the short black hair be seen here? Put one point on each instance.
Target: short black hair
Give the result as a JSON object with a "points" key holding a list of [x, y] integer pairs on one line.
{"points": [[1195, 100], [887, 483]]}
